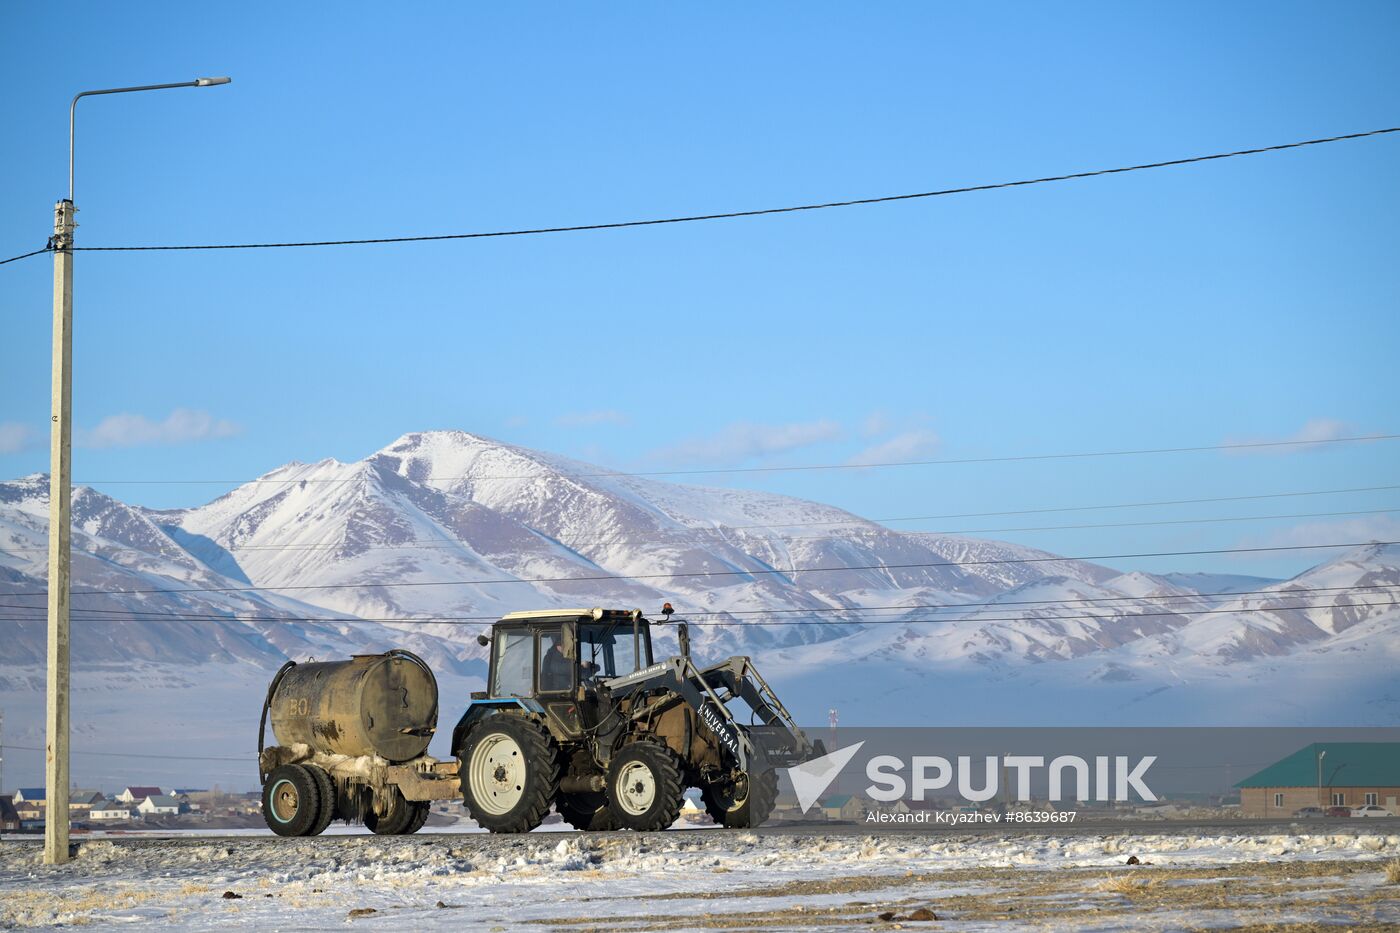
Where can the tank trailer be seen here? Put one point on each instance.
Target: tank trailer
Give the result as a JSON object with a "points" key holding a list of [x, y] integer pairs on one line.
{"points": [[578, 716]]}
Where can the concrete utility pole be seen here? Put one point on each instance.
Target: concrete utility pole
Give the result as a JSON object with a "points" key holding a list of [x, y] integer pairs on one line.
{"points": [[60, 533], [56, 770]]}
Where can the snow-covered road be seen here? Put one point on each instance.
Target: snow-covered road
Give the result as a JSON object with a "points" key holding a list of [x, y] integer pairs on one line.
{"points": [[708, 880]]}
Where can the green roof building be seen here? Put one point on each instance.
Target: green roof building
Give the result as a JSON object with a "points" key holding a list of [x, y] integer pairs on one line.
{"points": [[1326, 774]]}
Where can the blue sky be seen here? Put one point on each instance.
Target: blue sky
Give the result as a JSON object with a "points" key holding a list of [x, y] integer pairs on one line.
{"points": [[1248, 299]]}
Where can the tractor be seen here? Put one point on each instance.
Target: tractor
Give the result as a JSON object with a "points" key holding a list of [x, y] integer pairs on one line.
{"points": [[579, 715]]}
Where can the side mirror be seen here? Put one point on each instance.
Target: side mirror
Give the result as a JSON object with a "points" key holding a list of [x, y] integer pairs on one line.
{"points": [[483, 640]]}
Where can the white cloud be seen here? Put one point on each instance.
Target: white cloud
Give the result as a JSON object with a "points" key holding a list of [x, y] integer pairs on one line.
{"points": [[876, 423], [915, 444], [182, 426], [14, 436], [1316, 433], [745, 441], [1362, 529], [585, 419]]}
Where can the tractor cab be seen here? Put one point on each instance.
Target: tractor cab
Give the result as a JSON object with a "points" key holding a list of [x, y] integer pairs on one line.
{"points": [[552, 662], [554, 652]]}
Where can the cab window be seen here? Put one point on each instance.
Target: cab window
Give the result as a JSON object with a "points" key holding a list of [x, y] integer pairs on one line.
{"points": [[514, 675]]}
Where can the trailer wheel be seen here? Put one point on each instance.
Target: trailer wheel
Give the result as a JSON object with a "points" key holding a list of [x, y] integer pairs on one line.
{"points": [[742, 804], [291, 801], [510, 774], [588, 812], [395, 820], [644, 787], [421, 809], [325, 787]]}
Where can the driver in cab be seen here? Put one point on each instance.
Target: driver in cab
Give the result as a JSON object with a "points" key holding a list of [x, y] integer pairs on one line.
{"points": [[555, 667]]}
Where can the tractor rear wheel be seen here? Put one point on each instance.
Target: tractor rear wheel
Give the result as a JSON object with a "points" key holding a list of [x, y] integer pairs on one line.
{"points": [[644, 787], [510, 774], [744, 803], [587, 811], [291, 801]]}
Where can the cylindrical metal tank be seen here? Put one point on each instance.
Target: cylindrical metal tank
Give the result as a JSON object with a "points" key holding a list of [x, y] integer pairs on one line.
{"points": [[373, 704]]}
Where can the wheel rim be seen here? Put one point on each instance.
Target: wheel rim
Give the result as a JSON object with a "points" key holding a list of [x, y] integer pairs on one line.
{"points": [[497, 774], [636, 788], [284, 800], [734, 794]]}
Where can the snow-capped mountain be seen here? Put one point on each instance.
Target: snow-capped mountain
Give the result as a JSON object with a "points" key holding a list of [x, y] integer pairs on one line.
{"points": [[443, 531], [424, 542]]}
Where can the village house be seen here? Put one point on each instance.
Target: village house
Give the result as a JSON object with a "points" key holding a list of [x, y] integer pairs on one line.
{"points": [[191, 798], [9, 816], [1326, 774], [692, 812], [29, 803], [111, 810], [843, 807], [159, 805], [135, 795], [81, 801]]}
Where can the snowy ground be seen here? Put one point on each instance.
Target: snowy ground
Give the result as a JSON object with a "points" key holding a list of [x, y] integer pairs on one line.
{"points": [[711, 880]]}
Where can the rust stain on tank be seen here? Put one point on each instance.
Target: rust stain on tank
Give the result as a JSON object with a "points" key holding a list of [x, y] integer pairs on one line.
{"points": [[327, 729]]}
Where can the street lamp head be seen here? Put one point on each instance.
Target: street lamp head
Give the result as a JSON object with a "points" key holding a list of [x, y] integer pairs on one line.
{"points": [[210, 82]]}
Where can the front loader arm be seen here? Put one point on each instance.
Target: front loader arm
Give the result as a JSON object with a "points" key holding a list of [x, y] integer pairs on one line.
{"points": [[775, 739], [681, 676]]}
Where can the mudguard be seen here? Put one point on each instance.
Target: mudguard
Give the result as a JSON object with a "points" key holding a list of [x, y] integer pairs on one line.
{"points": [[480, 709]]}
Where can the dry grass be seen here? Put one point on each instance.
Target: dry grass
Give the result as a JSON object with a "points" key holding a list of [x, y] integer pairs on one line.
{"points": [[1128, 886], [1392, 871]]}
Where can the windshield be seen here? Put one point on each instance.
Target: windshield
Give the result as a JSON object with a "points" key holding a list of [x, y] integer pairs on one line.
{"points": [[612, 652]]}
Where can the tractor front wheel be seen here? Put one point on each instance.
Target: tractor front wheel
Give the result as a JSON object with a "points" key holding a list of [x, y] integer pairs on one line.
{"points": [[644, 787]]}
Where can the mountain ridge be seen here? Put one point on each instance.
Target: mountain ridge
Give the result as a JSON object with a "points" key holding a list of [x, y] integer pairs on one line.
{"points": [[393, 537]]}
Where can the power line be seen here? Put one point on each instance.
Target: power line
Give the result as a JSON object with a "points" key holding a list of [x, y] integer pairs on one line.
{"points": [[1171, 521], [726, 215], [738, 214], [1250, 445], [36, 252], [422, 546], [251, 759], [1017, 618], [150, 615], [714, 573]]}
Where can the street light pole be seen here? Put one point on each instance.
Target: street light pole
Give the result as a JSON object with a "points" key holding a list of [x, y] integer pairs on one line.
{"points": [[57, 727], [1320, 755]]}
